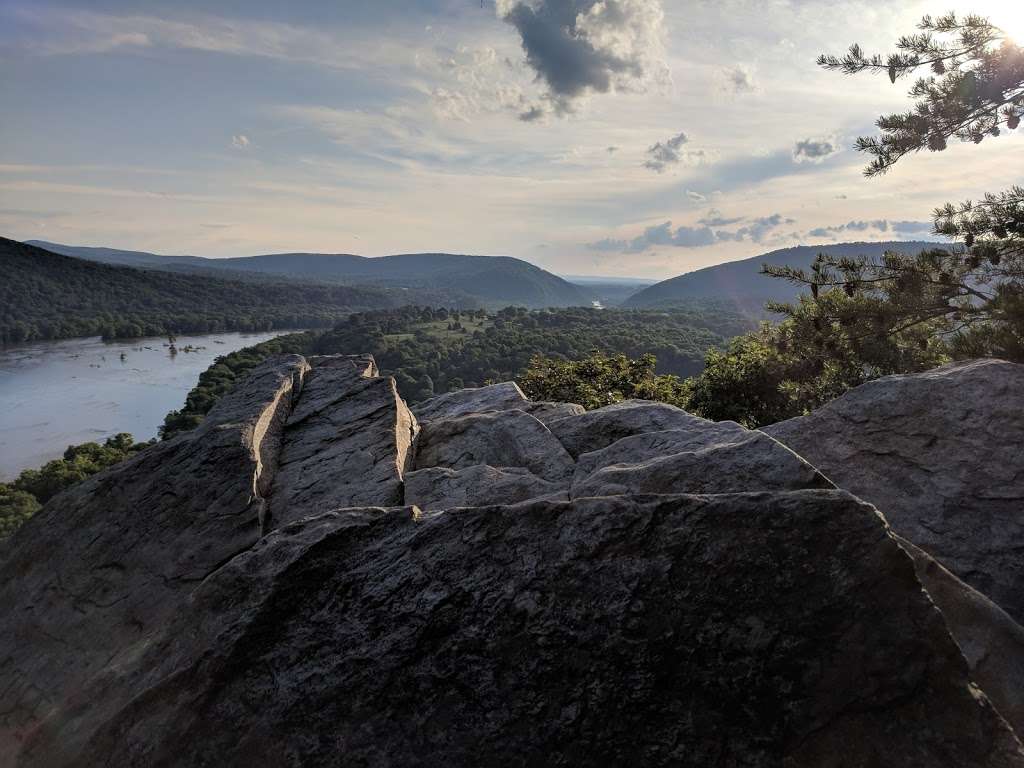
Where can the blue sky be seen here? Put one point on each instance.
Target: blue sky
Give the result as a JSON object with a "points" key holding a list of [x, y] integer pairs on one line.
{"points": [[680, 134]]}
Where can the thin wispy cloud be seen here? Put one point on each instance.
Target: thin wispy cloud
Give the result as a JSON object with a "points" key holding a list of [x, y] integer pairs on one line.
{"points": [[709, 231], [881, 226]]}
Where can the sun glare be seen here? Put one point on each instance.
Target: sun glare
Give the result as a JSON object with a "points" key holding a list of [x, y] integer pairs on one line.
{"points": [[1008, 15]]}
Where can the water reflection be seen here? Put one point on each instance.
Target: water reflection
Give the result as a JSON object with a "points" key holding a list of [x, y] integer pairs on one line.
{"points": [[58, 393]]}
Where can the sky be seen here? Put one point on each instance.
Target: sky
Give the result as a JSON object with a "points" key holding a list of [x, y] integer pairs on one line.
{"points": [[641, 138]]}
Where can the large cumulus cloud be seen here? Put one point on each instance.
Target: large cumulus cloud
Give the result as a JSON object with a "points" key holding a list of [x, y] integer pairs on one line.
{"points": [[579, 47]]}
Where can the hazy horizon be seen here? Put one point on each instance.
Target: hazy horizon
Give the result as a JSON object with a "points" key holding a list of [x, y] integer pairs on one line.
{"points": [[677, 137]]}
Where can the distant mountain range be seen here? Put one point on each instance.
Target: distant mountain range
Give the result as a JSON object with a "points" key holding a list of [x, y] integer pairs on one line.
{"points": [[741, 283], [493, 280], [45, 295]]}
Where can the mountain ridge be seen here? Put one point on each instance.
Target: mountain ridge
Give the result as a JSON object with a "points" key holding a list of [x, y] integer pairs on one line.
{"points": [[742, 283], [496, 280]]}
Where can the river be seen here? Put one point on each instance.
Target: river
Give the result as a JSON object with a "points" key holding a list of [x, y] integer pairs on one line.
{"points": [[59, 393]]}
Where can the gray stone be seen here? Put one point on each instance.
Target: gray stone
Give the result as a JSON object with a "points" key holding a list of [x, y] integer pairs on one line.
{"points": [[940, 454], [636, 449], [506, 396], [991, 641], [440, 488], [498, 439], [600, 428], [462, 402], [348, 443], [549, 412], [755, 463], [86, 580], [773, 629]]}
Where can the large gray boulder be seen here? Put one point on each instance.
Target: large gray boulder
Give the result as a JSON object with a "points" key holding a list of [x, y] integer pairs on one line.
{"points": [[348, 442], [498, 439], [656, 445], [772, 629], [440, 488], [940, 454], [85, 581], [506, 396], [991, 641], [753, 463], [462, 402], [599, 428]]}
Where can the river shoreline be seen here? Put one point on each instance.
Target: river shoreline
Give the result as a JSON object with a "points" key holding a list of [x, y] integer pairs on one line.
{"points": [[59, 393]]}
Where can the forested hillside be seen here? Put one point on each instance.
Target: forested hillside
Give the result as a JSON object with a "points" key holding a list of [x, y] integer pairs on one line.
{"points": [[496, 281], [742, 284], [47, 296], [434, 351]]}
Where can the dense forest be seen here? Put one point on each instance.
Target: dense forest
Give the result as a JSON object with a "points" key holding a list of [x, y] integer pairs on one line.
{"points": [[47, 296], [432, 351]]}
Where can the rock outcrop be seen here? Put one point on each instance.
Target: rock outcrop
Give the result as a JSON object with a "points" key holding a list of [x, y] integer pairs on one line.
{"points": [[594, 430], [87, 580], [992, 642], [441, 488], [940, 454], [317, 577], [497, 439], [348, 443], [750, 629]]}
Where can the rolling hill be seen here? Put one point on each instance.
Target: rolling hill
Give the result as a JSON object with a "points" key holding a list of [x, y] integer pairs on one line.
{"points": [[493, 280], [741, 282], [45, 295]]}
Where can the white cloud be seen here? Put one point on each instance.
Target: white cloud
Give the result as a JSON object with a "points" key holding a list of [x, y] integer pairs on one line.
{"points": [[241, 141]]}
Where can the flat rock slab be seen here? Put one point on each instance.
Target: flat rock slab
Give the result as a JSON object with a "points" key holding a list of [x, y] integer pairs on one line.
{"points": [[506, 396], [497, 439], [86, 581], [940, 454], [756, 463], [600, 428], [772, 629], [440, 488], [636, 449], [462, 402], [348, 443]]}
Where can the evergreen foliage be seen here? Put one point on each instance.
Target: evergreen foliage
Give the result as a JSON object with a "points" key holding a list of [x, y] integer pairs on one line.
{"points": [[976, 86]]}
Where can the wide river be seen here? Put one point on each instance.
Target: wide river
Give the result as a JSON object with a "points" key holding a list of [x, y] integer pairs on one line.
{"points": [[59, 393]]}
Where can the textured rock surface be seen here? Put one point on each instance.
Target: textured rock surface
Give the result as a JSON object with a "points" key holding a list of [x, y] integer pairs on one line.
{"points": [[498, 439], [506, 396], [198, 606], [655, 445], [101, 564], [496, 397], [442, 488], [347, 443], [940, 453], [600, 428], [991, 642], [755, 462], [756, 630]]}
